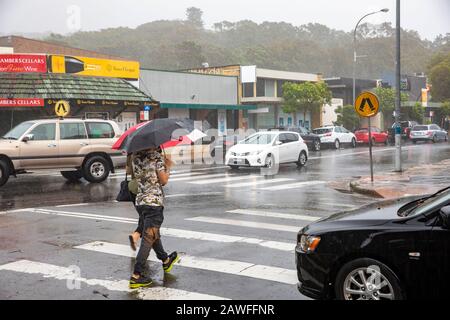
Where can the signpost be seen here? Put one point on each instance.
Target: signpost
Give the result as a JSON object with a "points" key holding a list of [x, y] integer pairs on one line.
{"points": [[367, 105]]}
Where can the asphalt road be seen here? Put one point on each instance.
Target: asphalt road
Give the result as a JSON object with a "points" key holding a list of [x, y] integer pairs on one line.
{"points": [[236, 231]]}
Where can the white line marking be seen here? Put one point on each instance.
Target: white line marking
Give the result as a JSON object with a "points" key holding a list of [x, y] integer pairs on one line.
{"points": [[63, 273], [193, 194], [202, 169], [274, 215], [330, 204], [197, 177], [248, 224], [254, 183], [227, 179], [179, 233], [72, 205], [292, 185], [238, 268]]}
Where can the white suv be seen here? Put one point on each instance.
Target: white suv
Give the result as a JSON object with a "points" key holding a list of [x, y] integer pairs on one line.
{"points": [[335, 136], [79, 148], [264, 149]]}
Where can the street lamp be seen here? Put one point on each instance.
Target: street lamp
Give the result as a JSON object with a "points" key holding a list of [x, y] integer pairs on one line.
{"points": [[354, 49]]}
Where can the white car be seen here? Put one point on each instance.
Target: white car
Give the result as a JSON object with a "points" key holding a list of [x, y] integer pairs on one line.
{"points": [[335, 136], [430, 132], [264, 149]]}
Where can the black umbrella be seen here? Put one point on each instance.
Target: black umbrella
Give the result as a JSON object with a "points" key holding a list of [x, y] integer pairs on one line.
{"points": [[155, 133]]}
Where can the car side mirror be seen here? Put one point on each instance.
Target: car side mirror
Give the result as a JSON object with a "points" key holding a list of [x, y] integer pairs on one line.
{"points": [[445, 217], [278, 143], [28, 137]]}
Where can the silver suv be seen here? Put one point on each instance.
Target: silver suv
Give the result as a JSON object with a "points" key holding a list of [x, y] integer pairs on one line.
{"points": [[79, 148]]}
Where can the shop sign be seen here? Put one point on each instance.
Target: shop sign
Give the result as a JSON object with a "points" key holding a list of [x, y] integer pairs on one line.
{"points": [[21, 102]]}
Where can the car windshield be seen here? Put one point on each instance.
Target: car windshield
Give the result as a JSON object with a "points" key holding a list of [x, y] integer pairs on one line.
{"points": [[420, 128], [322, 130], [16, 132], [435, 201], [265, 138]]}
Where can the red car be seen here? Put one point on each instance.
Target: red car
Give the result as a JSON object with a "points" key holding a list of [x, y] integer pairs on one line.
{"points": [[378, 136]]}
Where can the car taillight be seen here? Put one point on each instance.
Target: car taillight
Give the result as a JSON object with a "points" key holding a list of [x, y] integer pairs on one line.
{"points": [[429, 133], [328, 134]]}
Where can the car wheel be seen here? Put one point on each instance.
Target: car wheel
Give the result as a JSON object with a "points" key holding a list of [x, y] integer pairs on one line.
{"points": [[353, 143], [367, 279], [373, 142], [386, 142], [414, 141], [234, 167], [446, 138], [302, 159], [434, 139], [337, 144], [4, 172], [269, 162], [72, 175], [317, 145], [96, 169]]}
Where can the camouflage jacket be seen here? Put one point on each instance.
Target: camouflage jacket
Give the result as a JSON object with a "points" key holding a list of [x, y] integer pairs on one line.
{"points": [[145, 167]]}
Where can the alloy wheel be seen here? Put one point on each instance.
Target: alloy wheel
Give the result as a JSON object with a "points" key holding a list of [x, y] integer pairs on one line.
{"points": [[367, 284], [97, 169], [269, 162], [317, 146]]}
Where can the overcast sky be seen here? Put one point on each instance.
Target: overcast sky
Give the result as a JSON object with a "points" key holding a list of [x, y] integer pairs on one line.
{"points": [[428, 17]]}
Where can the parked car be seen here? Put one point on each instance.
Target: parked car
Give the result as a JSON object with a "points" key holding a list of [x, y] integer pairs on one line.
{"points": [[312, 140], [263, 148], [406, 127], [335, 136], [397, 249], [430, 132], [377, 136], [80, 148]]}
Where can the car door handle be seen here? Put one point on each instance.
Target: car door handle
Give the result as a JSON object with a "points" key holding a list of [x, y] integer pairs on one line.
{"points": [[52, 145], [84, 144]]}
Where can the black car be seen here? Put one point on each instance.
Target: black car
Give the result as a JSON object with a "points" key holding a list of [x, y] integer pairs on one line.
{"points": [[312, 140], [392, 250], [405, 126]]}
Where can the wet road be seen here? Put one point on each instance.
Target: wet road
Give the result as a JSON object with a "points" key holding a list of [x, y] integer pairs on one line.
{"points": [[236, 230]]}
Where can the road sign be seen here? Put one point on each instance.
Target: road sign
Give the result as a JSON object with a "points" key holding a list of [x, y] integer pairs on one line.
{"points": [[147, 108], [367, 104], [62, 108]]}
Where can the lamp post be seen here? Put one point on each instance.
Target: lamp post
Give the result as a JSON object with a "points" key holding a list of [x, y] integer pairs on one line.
{"points": [[354, 49]]}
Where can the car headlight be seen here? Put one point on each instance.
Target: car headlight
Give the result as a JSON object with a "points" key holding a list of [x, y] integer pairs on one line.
{"points": [[254, 153], [308, 243]]}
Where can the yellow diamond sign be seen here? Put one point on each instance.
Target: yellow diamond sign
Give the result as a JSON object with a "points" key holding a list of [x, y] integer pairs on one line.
{"points": [[367, 104]]}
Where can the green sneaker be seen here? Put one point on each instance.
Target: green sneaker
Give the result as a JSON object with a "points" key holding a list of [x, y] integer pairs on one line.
{"points": [[173, 258], [141, 282]]}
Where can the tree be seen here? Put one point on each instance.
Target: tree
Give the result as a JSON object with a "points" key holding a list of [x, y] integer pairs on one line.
{"points": [[195, 17], [415, 113], [386, 97], [189, 55], [347, 117], [443, 114], [304, 97], [439, 73]]}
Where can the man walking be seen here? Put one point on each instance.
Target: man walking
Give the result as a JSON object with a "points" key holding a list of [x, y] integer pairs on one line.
{"points": [[152, 171]]}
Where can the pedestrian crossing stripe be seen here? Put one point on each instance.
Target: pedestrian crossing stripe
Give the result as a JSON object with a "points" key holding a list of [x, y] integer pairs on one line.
{"points": [[174, 178], [247, 224], [274, 214], [259, 182], [238, 268], [226, 179], [292, 185], [64, 273], [179, 233]]}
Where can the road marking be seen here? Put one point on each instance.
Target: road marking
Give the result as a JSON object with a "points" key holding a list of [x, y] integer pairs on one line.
{"points": [[193, 194], [274, 214], [202, 169], [174, 175], [361, 152], [72, 205], [253, 183], [248, 224], [198, 177], [238, 268], [63, 273], [352, 206], [179, 233], [227, 179], [292, 185]]}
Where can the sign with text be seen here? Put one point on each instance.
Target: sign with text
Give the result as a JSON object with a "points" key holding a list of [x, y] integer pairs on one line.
{"points": [[21, 102], [23, 63]]}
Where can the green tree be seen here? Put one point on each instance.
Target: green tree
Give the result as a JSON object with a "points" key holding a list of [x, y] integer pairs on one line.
{"points": [[304, 97], [386, 97], [189, 55], [347, 117], [443, 114], [439, 74], [195, 17], [416, 112]]}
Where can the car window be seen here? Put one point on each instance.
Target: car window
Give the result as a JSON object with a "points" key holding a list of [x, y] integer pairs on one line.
{"points": [[420, 128], [18, 130], [343, 130], [443, 199], [44, 132], [292, 137], [337, 129], [322, 130], [373, 129], [99, 130], [435, 127], [70, 131], [261, 138], [283, 138]]}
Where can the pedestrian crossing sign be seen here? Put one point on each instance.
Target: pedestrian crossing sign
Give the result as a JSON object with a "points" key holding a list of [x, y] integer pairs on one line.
{"points": [[62, 108], [367, 104]]}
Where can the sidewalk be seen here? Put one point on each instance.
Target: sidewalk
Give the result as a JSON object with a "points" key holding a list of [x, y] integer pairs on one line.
{"points": [[419, 180]]}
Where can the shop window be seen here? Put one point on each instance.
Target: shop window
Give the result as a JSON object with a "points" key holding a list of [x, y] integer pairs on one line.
{"points": [[269, 88], [281, 122], [260, 88], [307, 125], [289, 121], [300, 123], [280, 88]]}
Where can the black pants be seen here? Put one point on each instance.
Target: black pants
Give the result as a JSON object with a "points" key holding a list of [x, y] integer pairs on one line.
{"points": [[150, 221]]}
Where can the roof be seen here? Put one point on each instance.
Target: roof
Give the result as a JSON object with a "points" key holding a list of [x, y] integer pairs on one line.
{"points": [[63, 86]]}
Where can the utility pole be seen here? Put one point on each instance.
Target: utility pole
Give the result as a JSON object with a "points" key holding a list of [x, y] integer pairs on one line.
{"points": [[398, 135]]}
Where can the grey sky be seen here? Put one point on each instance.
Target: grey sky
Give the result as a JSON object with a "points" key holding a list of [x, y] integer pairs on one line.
{"points": [[428, 17]]}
